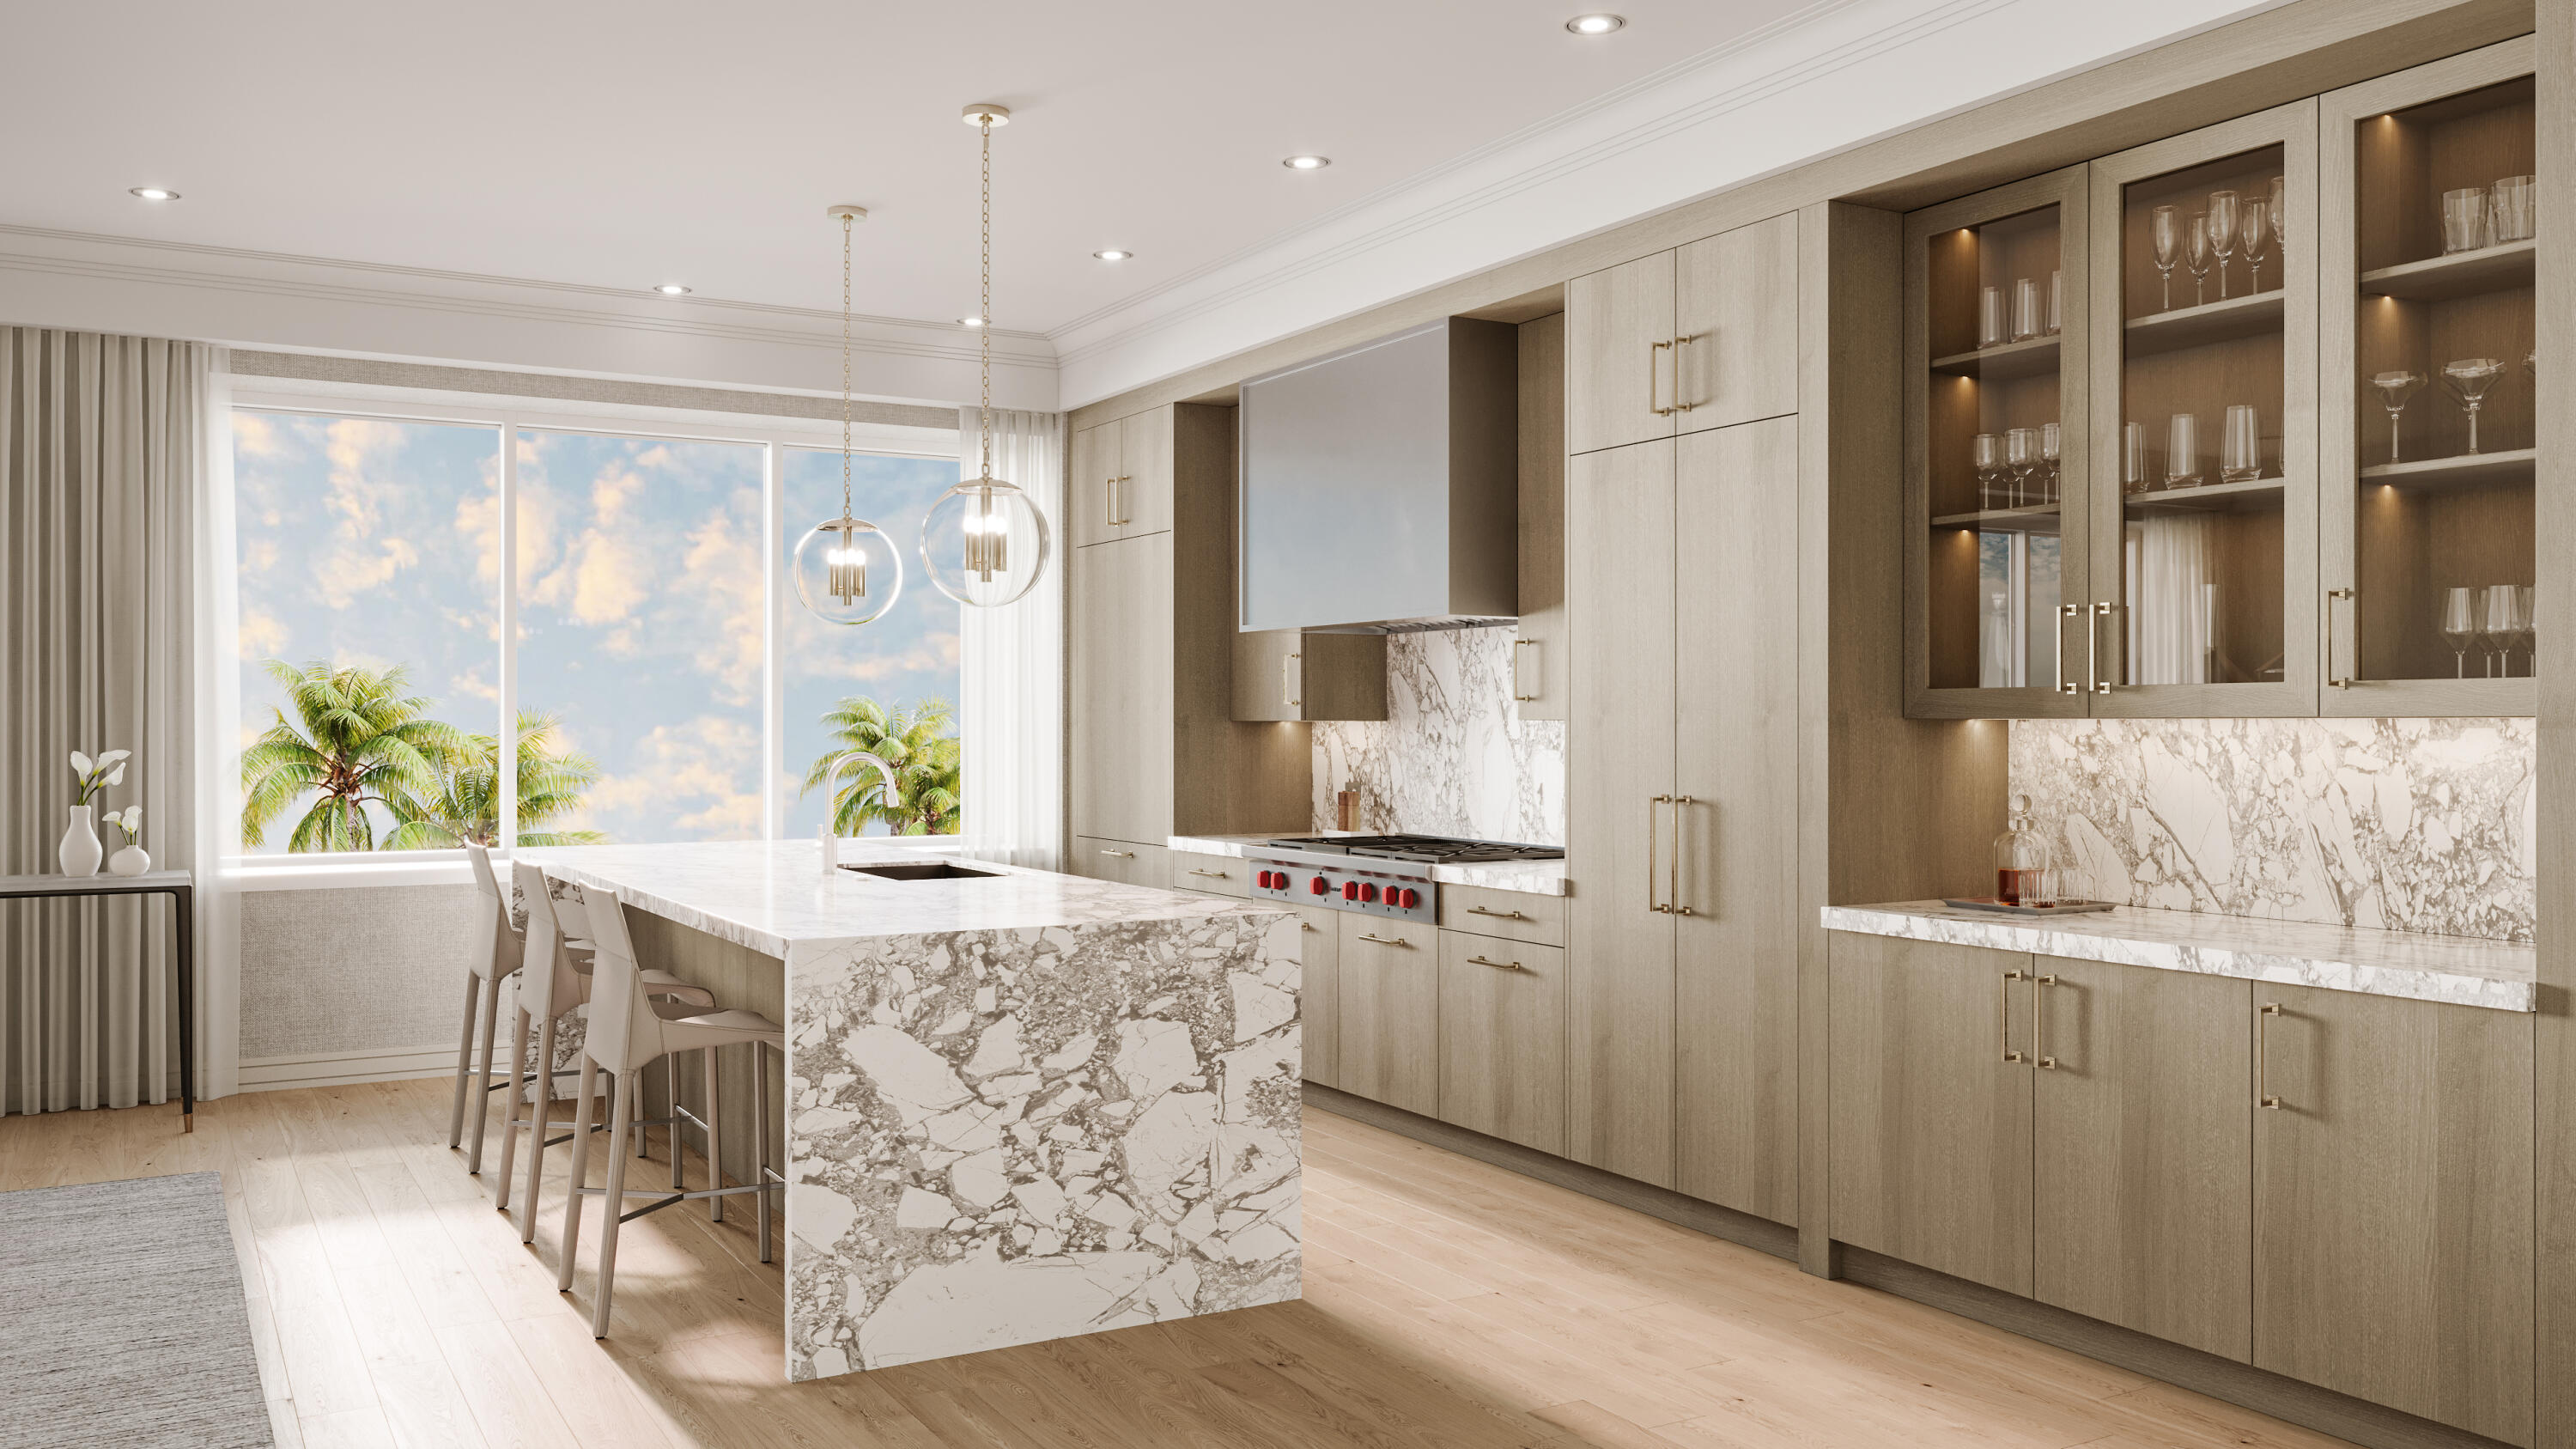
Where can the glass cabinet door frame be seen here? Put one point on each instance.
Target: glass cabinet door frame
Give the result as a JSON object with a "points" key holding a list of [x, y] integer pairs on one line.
{"points": [[2066, 189], [2293, 128], [2344, 691]]}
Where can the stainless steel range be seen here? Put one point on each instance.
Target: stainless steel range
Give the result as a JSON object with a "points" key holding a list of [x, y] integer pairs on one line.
{"points": [[1378, 875]]}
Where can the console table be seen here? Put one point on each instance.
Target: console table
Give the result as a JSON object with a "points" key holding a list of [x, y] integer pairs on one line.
{"points": [[180, 887]]}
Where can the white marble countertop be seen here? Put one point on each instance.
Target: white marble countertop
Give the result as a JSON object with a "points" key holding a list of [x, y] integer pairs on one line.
{"points": [[770, 894], [1531, 877], [2460, 970]]}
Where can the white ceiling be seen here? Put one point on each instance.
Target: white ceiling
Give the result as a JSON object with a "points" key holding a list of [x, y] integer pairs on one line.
{"points": [[622, 145]]}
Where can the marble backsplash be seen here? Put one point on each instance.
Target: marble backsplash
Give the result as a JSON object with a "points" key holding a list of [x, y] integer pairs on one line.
{"points": [[2408, 824], [1450, 758]]}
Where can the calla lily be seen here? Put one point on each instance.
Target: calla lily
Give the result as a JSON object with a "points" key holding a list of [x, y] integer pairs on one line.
{"points": [[118, 777], [112, 756], [81, 763]]}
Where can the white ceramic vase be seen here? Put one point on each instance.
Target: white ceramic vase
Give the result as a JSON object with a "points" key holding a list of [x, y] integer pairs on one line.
{"points": [[79, 852], [130, 861]]}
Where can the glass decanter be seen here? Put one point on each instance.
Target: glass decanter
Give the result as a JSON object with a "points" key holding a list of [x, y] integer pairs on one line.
{"points": [[2021, 860]]}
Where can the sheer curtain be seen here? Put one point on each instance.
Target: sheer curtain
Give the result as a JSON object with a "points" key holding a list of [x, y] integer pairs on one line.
{"points": [[1011, 674], [2171, 613], [109, 542]]}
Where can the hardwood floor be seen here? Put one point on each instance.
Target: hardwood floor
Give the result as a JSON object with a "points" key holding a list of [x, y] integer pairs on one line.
{"points": [[1449, 1305]]}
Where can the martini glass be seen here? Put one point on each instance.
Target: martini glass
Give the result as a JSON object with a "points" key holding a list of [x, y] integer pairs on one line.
{"points": [[2195, 254], [2470, 379], [2394, 389], [2164, 229], [2223, 217]]}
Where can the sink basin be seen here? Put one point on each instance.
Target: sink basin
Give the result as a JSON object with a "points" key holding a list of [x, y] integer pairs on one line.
{"points": [[922, 870]]}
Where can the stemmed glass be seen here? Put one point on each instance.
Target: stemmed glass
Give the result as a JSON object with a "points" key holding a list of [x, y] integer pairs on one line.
{"points": [[2021, 459], [2470, 379], [2052, 447], [2222, 233], [2506, 624], [2280, 219], [1986, 452], [2195, 254], [2255, 229], [2164, 228], [2530, 632], [2394, 389], [2459, 625]]}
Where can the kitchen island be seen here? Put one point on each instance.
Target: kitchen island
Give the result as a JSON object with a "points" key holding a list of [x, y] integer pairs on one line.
{"points": [[1020, 1105]]}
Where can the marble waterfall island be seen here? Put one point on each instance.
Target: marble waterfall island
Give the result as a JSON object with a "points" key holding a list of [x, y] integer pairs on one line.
{"points": [[1020, 1106]]}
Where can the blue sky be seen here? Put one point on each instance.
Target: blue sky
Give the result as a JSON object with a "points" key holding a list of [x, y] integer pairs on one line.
{"points": [[639, 573]]}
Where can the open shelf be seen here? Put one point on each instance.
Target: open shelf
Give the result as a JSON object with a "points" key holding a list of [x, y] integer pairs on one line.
{"points": [[2207, 497], [2209, 322], [2467, 470], [2034, 518], [2006, 360], [2462, 274]]}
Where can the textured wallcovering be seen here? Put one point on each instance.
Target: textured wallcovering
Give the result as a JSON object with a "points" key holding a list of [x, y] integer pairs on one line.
{"points": [[2411, 824], [1450, 758], [377, 968]]}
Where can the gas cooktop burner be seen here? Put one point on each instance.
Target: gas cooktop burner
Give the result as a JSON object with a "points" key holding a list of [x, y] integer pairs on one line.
{"points": [[1426, 849]]}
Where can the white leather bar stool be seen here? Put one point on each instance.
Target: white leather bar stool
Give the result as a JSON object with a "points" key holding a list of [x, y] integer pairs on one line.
{"points": [[625, 1034], [556, 981], [495, 950]]}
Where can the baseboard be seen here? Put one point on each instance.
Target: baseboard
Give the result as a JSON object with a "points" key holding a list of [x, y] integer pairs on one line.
{"points": [[1777, 1239], [339, 1069]]}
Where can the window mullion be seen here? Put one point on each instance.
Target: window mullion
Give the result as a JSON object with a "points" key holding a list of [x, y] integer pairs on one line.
{"points": [[506, 806]]}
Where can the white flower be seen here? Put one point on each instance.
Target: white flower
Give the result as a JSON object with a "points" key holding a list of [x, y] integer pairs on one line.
{"points": [[112, 756], [117, 778], [81, 764]]}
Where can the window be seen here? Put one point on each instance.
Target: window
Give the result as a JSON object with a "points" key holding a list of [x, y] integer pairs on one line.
{"points": [[647, 592]]}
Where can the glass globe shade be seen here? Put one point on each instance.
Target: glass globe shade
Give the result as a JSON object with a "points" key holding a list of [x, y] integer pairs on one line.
{"points": [[984, 542], [847, 571]]}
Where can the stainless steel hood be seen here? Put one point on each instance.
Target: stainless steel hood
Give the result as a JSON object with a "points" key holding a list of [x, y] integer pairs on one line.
{"points": [[1380, 485]]}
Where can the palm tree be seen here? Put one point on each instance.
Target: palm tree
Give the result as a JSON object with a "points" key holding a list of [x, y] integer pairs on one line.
{"points": [[915, 744], [361, 739], [463, 810]]}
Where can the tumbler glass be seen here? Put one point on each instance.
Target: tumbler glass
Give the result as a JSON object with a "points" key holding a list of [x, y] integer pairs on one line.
{"points": [[2056, 303], [2511, 210], [2027, 317], [2133, 458], [2464, 219], [2240, 451], [2182, 451], [1991, 330]]}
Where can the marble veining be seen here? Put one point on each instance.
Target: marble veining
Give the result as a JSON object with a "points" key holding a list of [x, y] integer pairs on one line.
{"points": [[2460, 971], [1452, 757], [2407, 824], [1533, 877]]}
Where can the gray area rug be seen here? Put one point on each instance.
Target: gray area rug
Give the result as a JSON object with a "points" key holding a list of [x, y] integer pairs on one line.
{"points": [[122, 1319]]}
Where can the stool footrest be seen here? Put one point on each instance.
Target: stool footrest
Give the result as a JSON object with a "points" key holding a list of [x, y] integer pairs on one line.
{"points": [[666, 1199]]}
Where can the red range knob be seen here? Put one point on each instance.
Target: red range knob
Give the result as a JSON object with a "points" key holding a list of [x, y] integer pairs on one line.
{"points": [[1350, 890], [1411, 899], [1319, 887], [1368, 893], [1262, 880]]}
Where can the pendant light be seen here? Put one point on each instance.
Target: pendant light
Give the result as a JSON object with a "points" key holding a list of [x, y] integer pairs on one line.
{"points": [[847, 571], [985, 542]]}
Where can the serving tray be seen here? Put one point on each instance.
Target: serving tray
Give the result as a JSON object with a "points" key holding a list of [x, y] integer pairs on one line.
{"points": [[2062, 908]]}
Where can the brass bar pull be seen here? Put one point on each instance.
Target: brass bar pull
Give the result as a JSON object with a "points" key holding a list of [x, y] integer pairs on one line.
{"points": [[1305, 925], [1498, 965], [1497, 915], [1655, 379], [2064, 613], [1517, 646], [2038, 1024], [1220, 875], [1678, 344], [2263, 1055], [1117, 516], [1388, 940], [1653, 829], [2003, 1014], [1673, 884], [1121, 854], [1290, 677], [2093, 648], [2333, 680]]}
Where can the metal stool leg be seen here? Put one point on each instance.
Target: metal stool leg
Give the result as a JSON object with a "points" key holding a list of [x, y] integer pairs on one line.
{"points": [[580, 1173], [759, 1140], [464, 1062], [545, 1121], [483, 1086], [715, 1141], [629, 1090], [518, 1079]]}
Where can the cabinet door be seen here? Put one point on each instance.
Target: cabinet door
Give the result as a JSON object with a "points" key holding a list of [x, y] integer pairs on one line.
{"points": [[1619, 783], [1145, 472], [1735, 315], [1929, 1079], [1619, 355], [1502, 1039], [1091, 487], [1390, 1012], [2142, 1187], [1268, 675], [2392, 1191], [1216, 875], [1539, 681], [1122, 689], [1127, 862], [1319, 1002], [1735, 930]]}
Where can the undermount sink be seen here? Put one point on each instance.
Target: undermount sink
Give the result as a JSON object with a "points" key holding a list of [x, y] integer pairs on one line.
{"points": [[921, 870]]}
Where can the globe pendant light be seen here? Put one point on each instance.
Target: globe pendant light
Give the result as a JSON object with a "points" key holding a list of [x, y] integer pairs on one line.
{"points": [[985, 542], [847, 571]]}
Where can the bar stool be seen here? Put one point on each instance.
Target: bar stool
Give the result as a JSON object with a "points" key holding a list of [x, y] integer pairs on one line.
{"points": [[625, 1034], [494, 951], [555, 981]]}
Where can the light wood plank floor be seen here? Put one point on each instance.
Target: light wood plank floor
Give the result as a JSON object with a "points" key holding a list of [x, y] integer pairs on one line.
{"points": [[1449, 1305]]}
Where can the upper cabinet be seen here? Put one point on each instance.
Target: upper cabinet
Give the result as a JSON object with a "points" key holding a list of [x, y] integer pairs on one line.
{"points": [[1684, 341], [2235, 423], [1121, 482]]}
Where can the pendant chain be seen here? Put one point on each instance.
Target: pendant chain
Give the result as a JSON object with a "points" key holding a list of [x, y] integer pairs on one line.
{"points": [[845, 366], [984, 309]]}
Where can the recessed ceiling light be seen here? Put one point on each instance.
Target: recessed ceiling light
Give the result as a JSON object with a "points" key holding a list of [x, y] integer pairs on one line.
{"points": [[1597, 23], [1113, 254], [154, 193], [672, 289], [1307, 163], [970, 321]]}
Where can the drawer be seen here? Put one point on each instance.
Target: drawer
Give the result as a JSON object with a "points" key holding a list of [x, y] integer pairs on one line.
{"points": [[1123, 861], [1512, 915], [1223, 875], [1502, 1039]]}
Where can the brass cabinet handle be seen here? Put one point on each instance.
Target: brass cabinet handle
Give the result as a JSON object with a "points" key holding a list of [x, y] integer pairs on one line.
{"points": [[1305, 925], [1290, 677], [2093, 648], [1517, 646], [1673, 882], [1655, 379], [2038, 1028], [1678, 344], [1653, 829], [1220, 875], [1497, 915], [2263, 1055], [2332, 680], [1386, 940], [2003, 1014], [1121, 854], [1498, 965], [2064, 613], [1109, 493]]}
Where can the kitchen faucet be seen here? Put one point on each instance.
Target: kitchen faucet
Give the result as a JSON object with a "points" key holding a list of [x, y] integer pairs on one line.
{"points": [[831, 801]]}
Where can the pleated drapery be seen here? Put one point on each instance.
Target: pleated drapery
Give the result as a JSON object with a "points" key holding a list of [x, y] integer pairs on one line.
{"points": [[1010, 687], [103, 459]]}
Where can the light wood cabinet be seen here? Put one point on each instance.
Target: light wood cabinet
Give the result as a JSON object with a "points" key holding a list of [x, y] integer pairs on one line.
{"points": [[1388, 978], [1512, 915], [1121, 479], [1122, 709], [1502, 1039], [1216, 875], [1619, 344], [1539, 681], [1735, 317], [1283, 674], [1319, 1003], [1125, 861], [2393, 1248]]}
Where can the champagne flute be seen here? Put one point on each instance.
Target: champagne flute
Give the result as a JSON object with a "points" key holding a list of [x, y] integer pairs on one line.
{"points": [[2470, 379], [2458, 622], [2280, 209], [2222, 233], [2506, 624], [2255, 229], [2394, 389], [2195, 254], [2164, 228]]}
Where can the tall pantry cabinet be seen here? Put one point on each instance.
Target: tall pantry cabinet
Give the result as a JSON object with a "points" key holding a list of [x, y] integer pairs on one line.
{"points": [[1681, 519]]}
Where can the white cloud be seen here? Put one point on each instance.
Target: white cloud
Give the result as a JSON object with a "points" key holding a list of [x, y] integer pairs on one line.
{"points": [[936, 652], [262, 635], [256, 434], [697, 780]]}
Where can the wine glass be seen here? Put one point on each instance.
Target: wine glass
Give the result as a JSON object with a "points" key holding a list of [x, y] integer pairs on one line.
{"points": [[2505, 624], [2195, 254], [2280, 210], [2458, 622], [2222, 233], [2021, 459], [2530, 636], [2164, 228], [2470, 379], [2254, 228], [2394, 389], [2052, 448], [1986, 452]]}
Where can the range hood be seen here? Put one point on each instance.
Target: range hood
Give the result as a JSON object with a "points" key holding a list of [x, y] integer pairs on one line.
{"points": [[1380, 486]]}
